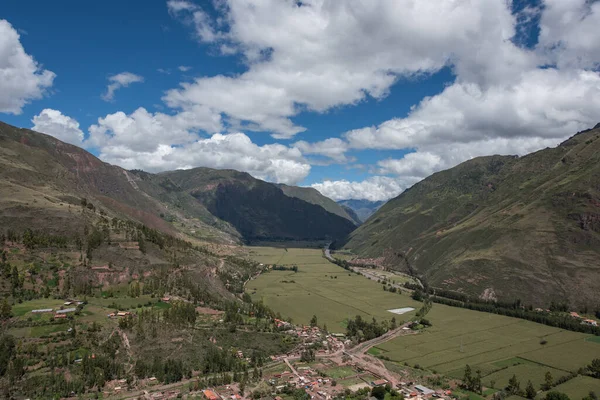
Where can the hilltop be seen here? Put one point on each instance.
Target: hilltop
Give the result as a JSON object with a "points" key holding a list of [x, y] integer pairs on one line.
{"points": [[501, 227]]}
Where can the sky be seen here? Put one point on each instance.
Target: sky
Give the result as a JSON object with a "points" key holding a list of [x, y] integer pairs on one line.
{"points": [[357, 98]]}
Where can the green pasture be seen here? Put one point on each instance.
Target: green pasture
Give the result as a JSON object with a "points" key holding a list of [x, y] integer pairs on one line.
{"points": [[498, 346], [340, 372], [22, 309], [576, 388], [323, 289]]}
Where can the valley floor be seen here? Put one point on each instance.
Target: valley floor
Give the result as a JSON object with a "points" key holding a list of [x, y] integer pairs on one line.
{"points": [[498, 346]]}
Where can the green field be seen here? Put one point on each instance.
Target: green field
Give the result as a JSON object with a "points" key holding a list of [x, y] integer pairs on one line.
{"points": [[321, 288], [577, 388], [499, 346], [340, 372]]}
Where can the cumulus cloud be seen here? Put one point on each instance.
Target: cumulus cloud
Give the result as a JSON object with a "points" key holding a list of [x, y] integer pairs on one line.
{"points": [[118, 81], [332, 148], [569, 33], [22, 79], [158, 142], [318, 54], [375, 188], [54, 123]]}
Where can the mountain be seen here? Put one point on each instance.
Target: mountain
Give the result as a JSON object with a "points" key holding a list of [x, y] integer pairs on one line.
{"points": [[40, 177], [313, 196], [362, 208], [352, 214], [502, 227], [257, 209]]}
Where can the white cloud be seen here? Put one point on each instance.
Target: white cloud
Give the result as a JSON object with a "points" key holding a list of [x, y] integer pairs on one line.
{"points": [[124, 79], [143, 131], [323, 54], [332, 148], [569, 33], [374, 188], [159, 142], [54, 123], [184, 68], [545, 103], [22, 79]]}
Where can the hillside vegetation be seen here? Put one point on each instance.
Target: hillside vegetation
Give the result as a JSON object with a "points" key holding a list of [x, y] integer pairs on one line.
{"points": [[501, 226], [41, 177]]}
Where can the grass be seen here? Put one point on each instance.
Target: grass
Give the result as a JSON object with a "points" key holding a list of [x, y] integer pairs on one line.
{"points": [[21, 309], [594, 339], [577, 388], [374, 351], [498, 346], [340, 372], [319, 282]]}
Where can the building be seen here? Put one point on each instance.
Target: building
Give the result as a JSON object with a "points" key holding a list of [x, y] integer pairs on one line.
{"points": [[379, 382], [43, 310], [424, 390], [66, 310], [210, 395], [590, 322], [60, 316]]}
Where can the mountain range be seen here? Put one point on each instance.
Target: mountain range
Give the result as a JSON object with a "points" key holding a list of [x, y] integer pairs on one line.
{"points": [[41, 177], [362, 208], [498, 227], [503, 227]]}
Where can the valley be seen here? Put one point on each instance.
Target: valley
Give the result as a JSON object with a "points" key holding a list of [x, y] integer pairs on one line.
{"points": [[497, 346]]}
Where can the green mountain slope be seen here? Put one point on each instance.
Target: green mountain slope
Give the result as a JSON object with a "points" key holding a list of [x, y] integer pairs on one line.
{"points": [[257, 209], [500, 227], [41, 177], [313, 196]]}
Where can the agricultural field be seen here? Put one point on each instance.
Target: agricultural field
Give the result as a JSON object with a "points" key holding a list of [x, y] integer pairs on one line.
{"points": [[321, 288], [498, 346], [576, 388]]}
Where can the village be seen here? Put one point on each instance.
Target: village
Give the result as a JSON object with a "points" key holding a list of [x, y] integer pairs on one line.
{"points": [[323, 365]]}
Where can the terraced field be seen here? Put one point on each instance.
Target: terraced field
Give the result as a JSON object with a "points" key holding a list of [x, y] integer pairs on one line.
{"points": [[321, 288]]}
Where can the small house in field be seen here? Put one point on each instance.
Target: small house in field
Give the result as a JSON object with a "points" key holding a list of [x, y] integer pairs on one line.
{"points": [[165, 299], [60, 316], [574, 314], [590, 322], [379, 382], [43, 310], [66, 310]]}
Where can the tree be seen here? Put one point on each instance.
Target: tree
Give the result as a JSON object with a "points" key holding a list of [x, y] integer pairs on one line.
{"points": [[591, 396], [530, 391], [594, 368], [468, 377], [557, 396], [5, 310], [514, 386], [142, 243], [313, 321], [548, 381], [477, 387], [378, 392]]}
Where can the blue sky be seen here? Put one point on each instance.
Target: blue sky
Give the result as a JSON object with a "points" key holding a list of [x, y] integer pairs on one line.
{"points": [[359, 99]]}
